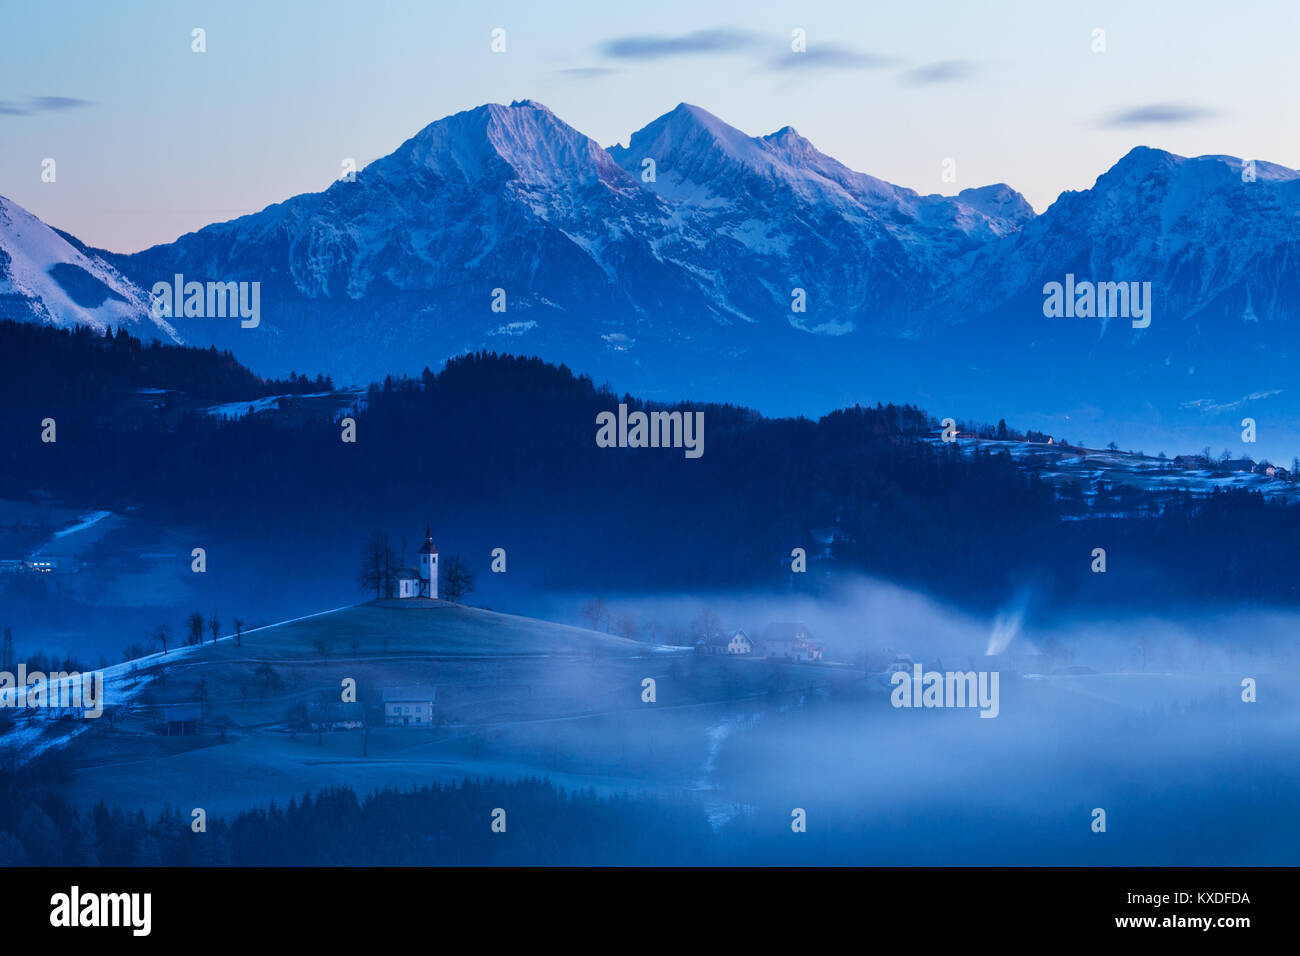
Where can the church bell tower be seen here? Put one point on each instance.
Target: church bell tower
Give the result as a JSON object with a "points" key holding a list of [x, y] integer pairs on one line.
{"points": [[428, 566]]}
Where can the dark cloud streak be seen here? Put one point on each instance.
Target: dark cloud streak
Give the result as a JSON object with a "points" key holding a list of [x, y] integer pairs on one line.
{"points": [[828, 56], [945, 71], [587, 72], [57, 102], [647, 47], [42, 104], [1159, 113]]}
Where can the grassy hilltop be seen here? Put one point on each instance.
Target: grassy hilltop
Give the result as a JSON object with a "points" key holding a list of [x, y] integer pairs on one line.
{"points": [[515, 697]]}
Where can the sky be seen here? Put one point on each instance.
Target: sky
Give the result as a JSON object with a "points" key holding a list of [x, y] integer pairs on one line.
{"points": [[152, 140]]}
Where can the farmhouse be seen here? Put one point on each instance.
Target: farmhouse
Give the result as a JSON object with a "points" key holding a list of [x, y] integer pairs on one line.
{"points": [[791, 640], [407, 706], [53, 563], [740, 644], [182, 719], [713, 644], [720, 644]]}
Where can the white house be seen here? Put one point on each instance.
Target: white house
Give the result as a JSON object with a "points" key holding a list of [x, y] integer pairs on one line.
{"points": [[408, 706], [740, 644]]}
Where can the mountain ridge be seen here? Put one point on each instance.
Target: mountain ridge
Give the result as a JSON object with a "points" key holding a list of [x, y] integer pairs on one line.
{"points": [[701, 260]]}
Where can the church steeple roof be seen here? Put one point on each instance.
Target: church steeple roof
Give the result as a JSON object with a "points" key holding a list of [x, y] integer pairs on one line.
{"points": [[428, 547]]}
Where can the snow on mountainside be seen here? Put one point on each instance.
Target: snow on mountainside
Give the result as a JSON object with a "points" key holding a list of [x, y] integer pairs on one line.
{"points": [[486, 190], [592, 259], [1217, 247], [47, 277], [699, 260], [778, 211]]}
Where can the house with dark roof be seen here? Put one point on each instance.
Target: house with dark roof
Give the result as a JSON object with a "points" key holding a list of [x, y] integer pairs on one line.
{"points": [[1237, 465], [790, 640], [182, 719], [409, 706]]}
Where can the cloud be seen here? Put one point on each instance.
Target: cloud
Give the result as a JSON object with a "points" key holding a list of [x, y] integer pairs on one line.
{"points": [[944, 71], [41, 104], [57, 102], [647, 47], [1159, 113], [587, 72], [829, 56]]}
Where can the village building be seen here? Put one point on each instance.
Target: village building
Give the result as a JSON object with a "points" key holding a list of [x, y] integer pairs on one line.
{"points": [[182, 719], [790, 640], [713, 644], [740, 644], [1237, 465], [53, 564], [409, 706]]}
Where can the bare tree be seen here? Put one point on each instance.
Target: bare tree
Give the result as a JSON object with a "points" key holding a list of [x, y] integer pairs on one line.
{"points": [[457, 578], [628, 626], [161, 634], [378, 569], [239, 633], [269, 674], [214, 626], [596, 613], [706, 625], [195, 624]]}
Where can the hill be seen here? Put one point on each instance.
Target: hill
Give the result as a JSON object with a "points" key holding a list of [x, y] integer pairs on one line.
{"points": [[515, 697], [498, 451]]}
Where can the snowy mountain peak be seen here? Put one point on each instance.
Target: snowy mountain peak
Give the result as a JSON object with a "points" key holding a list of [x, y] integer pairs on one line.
{"points": [[1144, 165], [787, 141], [524, 141], [46, 278], [699, 157], [998, 201], [690, 140], [1213, 235]]}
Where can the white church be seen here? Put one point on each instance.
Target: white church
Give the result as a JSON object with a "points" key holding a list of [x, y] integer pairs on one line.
{"points": [[421, 582]]}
